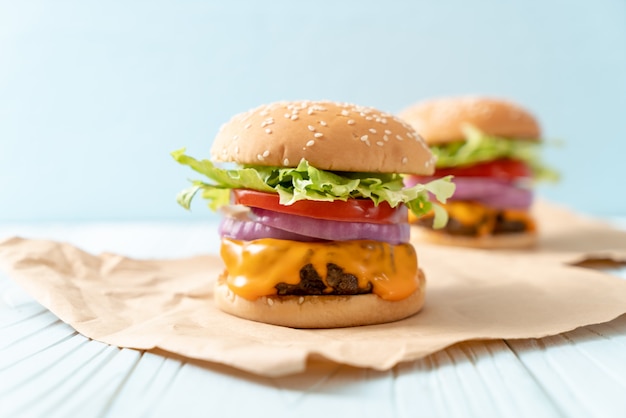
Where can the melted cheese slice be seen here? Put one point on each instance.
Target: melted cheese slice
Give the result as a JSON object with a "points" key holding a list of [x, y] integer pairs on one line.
{"points": [[255, 267], [521, 216], [473, 214], [483, 217]]}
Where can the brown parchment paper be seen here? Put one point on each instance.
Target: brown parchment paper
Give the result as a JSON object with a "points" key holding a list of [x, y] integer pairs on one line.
{"points": [[471, 294]]}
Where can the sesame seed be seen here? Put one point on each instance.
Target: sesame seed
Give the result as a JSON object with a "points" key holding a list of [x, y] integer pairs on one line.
{"points": [[310, 111], [236, 150], [235, 137], [300, 300], [406, 126], [368, 118], [268, 131], [263, 113], [247, 125], [287, 115], [364, 138], [399, 138], [344, 112], [387, 131], [372, 130], [270, 301], [266, 153], [259, 157], [404, 160], [294, 117], [311, 128], [350, 121], [310, 143], [318, 134], [380, 143], [266, 122], [323, 123], [286, 162], [384, 121], [385, 138]]}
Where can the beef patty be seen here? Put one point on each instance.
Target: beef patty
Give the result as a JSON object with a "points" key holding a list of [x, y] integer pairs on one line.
{"points": [[311, 283]]}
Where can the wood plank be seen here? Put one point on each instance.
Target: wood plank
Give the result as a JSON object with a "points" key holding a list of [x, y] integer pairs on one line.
{"points": [[472, 379], [571, 378], [31, 325], [147, 382], [24, 348], [45, 376]]}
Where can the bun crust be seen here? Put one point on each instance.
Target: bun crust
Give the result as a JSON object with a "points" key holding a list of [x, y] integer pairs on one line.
{"points": [[502, 241], [320, 311], [329, 135], [441, 120]]}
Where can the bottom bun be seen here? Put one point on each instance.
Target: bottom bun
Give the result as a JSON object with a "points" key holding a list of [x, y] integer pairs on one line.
{"points": [[500, 241], [320, 311]]}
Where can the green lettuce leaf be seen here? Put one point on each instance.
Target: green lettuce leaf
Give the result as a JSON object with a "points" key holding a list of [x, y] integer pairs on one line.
{"points": [[306, 182], [479, 147]]}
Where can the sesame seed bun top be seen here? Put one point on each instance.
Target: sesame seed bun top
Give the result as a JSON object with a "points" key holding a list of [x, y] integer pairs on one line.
{"points": [[441, 120], [329, 135]]}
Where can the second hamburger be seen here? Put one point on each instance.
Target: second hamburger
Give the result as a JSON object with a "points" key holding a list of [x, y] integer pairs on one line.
{"points": [[491, 147]]}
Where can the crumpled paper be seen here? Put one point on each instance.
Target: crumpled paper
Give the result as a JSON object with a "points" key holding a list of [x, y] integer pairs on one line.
{"points": [[167, 306]]}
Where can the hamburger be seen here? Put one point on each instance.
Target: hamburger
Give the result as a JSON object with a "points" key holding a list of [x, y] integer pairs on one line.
{"points": [[315, 230], [491, 148]]}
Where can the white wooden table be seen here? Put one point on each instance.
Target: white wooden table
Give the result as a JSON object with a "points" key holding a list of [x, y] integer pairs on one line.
{"points": [[49, 370]]}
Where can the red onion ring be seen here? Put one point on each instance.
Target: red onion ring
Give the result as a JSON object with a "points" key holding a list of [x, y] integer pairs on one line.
{"points": [[333, 230], [248, 230], [496, 193], [499, 194]]}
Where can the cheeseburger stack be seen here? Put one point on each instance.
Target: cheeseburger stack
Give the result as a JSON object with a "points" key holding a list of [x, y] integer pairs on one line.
{"points": [[315, 232], [490, 147]]}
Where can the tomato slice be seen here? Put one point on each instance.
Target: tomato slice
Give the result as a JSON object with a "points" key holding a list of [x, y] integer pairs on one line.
{"points": [[500, 169], [351, 210]]}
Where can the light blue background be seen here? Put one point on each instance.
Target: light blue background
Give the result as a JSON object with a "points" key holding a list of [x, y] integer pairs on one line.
{"points": [[95, 94]]}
